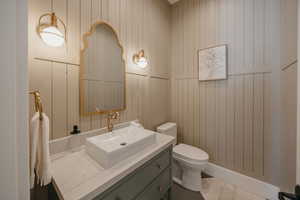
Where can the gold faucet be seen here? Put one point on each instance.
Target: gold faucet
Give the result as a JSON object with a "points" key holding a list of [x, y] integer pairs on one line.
{"points": [[110, 117]]}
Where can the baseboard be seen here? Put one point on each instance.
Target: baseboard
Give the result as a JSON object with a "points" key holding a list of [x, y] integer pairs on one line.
{"points": [[247, 183]]}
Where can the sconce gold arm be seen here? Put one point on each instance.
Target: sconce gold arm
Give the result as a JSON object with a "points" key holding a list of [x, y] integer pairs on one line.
{"points": [[38, 107]]}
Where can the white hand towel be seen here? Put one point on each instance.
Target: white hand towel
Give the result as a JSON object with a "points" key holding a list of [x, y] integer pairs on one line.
{"points": [[40, 156], [34, 136]]}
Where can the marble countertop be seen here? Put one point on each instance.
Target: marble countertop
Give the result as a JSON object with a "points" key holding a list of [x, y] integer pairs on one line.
{"points": [[76, 176]]}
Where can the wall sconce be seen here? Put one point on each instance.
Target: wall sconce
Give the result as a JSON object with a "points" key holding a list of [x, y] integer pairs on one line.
{"points": [[50, 33], [139, 59]]}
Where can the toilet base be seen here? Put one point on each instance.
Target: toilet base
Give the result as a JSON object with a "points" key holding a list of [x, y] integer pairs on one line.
{"points": [[192, 180], [189, 178]]}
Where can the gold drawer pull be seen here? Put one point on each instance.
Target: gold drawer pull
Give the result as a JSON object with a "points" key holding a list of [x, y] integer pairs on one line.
{"points": [[158, 166], [160, 188]]}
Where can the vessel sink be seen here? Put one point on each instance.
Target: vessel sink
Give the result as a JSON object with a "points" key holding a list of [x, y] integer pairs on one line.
{"points": [[110, 148]]}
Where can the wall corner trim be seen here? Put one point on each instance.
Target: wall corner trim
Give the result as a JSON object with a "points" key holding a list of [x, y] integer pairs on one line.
{"points": [[247, 183]]}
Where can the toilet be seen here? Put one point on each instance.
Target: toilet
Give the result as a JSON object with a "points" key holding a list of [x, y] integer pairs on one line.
{"points": [[189, 161]]}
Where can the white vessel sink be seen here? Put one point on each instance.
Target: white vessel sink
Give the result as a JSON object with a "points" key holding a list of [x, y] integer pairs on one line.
{"points": [[111, 148]]}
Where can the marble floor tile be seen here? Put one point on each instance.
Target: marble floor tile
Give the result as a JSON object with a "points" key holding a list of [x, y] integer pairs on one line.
{"points": [[216, 189]]}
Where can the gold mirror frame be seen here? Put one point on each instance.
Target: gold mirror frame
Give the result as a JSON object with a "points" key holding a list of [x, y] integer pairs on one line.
{"points": [[81, 69]]}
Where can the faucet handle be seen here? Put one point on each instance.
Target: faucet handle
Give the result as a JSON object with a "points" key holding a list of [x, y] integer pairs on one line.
{"points": [[114, 115]]}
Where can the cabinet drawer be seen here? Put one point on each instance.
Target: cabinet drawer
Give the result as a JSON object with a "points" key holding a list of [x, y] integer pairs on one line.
{"points": [[157, 190], [130, 187]]}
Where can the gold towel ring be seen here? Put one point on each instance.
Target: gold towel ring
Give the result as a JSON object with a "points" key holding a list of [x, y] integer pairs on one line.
{"points": [[38, 107]]}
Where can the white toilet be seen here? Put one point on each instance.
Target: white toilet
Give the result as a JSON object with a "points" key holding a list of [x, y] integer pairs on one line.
{"points": [[188, 162]]}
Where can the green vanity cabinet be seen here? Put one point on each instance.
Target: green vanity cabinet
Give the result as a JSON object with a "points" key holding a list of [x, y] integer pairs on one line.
{"points": [[158, 188], [152, 181]]}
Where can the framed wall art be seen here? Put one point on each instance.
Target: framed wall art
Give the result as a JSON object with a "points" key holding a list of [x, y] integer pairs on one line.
{"points": [[213, 63]]}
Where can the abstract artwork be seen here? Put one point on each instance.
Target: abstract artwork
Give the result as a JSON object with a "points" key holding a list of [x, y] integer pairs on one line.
{"points": [[213, 63]]}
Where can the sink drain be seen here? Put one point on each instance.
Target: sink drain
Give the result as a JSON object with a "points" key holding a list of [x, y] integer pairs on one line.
{"points": [[123, 144]]}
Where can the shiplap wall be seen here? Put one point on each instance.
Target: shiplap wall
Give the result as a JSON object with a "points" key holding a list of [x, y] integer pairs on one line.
{"points": [[231, 119], [141, 24], [288, 94], [289, 128]]}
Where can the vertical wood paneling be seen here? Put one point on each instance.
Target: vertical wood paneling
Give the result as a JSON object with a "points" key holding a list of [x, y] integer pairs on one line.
{"points": [[137, 29], [228, 118], [268, 134], [258, 126], [211, 122], [289, 129], [180, 111], [185, 113], [248, 126], [202, 110], [158, 101], [259, 34], [249, 36], [40, 78], [73, 96], [289, 32], [196, 114], [239, 122], [240, 24], [225, 118], [59, 100], [221, 122], [73, 35], [230, 122], [190, 111]]}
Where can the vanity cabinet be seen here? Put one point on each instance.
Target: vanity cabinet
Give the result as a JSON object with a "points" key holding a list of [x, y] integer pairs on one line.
{"points": [[152, 181]]}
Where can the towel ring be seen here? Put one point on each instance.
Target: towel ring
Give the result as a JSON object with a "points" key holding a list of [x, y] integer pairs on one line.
{"points": [[38, 107]]}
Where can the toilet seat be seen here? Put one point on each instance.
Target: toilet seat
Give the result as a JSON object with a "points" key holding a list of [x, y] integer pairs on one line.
{"points": [[190, 154]]}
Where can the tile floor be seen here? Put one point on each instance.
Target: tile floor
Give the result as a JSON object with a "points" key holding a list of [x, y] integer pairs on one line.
{"points": [[214, 189]]}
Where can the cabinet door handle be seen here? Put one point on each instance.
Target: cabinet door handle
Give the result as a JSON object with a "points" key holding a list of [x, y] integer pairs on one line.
{"points": [[158, 166], [160, 188]]}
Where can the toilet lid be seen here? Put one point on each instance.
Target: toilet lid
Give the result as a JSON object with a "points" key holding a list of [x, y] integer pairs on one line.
{"points": [[188, 152]]}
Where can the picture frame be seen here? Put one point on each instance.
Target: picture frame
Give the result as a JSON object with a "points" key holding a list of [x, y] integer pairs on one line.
{"points": [[212, 63]]}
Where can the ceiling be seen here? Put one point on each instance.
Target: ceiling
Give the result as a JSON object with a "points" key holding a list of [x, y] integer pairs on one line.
{"points": [[173, 1]]}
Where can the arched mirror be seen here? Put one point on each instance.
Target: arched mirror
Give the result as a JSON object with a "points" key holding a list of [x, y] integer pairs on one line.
{"points": [[102, 71]]}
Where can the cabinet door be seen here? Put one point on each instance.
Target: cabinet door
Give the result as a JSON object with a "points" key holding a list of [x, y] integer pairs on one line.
{"points": [[130, 187], [158, 189]]}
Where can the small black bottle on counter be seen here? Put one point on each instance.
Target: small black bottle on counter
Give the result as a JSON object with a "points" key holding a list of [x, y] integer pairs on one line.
{"points": [[75, 130]]}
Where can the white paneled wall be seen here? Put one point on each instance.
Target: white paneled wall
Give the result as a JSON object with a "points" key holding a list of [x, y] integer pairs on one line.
{"points": [[288, 94], [141, 24], [232, 119], [289, 129], [226, 118], [59, 87]]}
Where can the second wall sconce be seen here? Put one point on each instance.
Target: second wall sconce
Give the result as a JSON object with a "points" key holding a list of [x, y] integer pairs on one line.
{"points": [[140, 59], [50, 32]]}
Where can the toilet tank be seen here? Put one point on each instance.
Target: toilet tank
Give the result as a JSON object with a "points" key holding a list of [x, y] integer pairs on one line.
{"points": [[170, 129]]}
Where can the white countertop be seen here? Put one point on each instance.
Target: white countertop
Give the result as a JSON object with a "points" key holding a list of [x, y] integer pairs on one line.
{"points": [[76, 176]]}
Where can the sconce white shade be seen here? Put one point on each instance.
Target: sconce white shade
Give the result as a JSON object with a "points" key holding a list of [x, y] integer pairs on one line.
{"points": [[52, 36], [49, 31], [140, 60]]}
